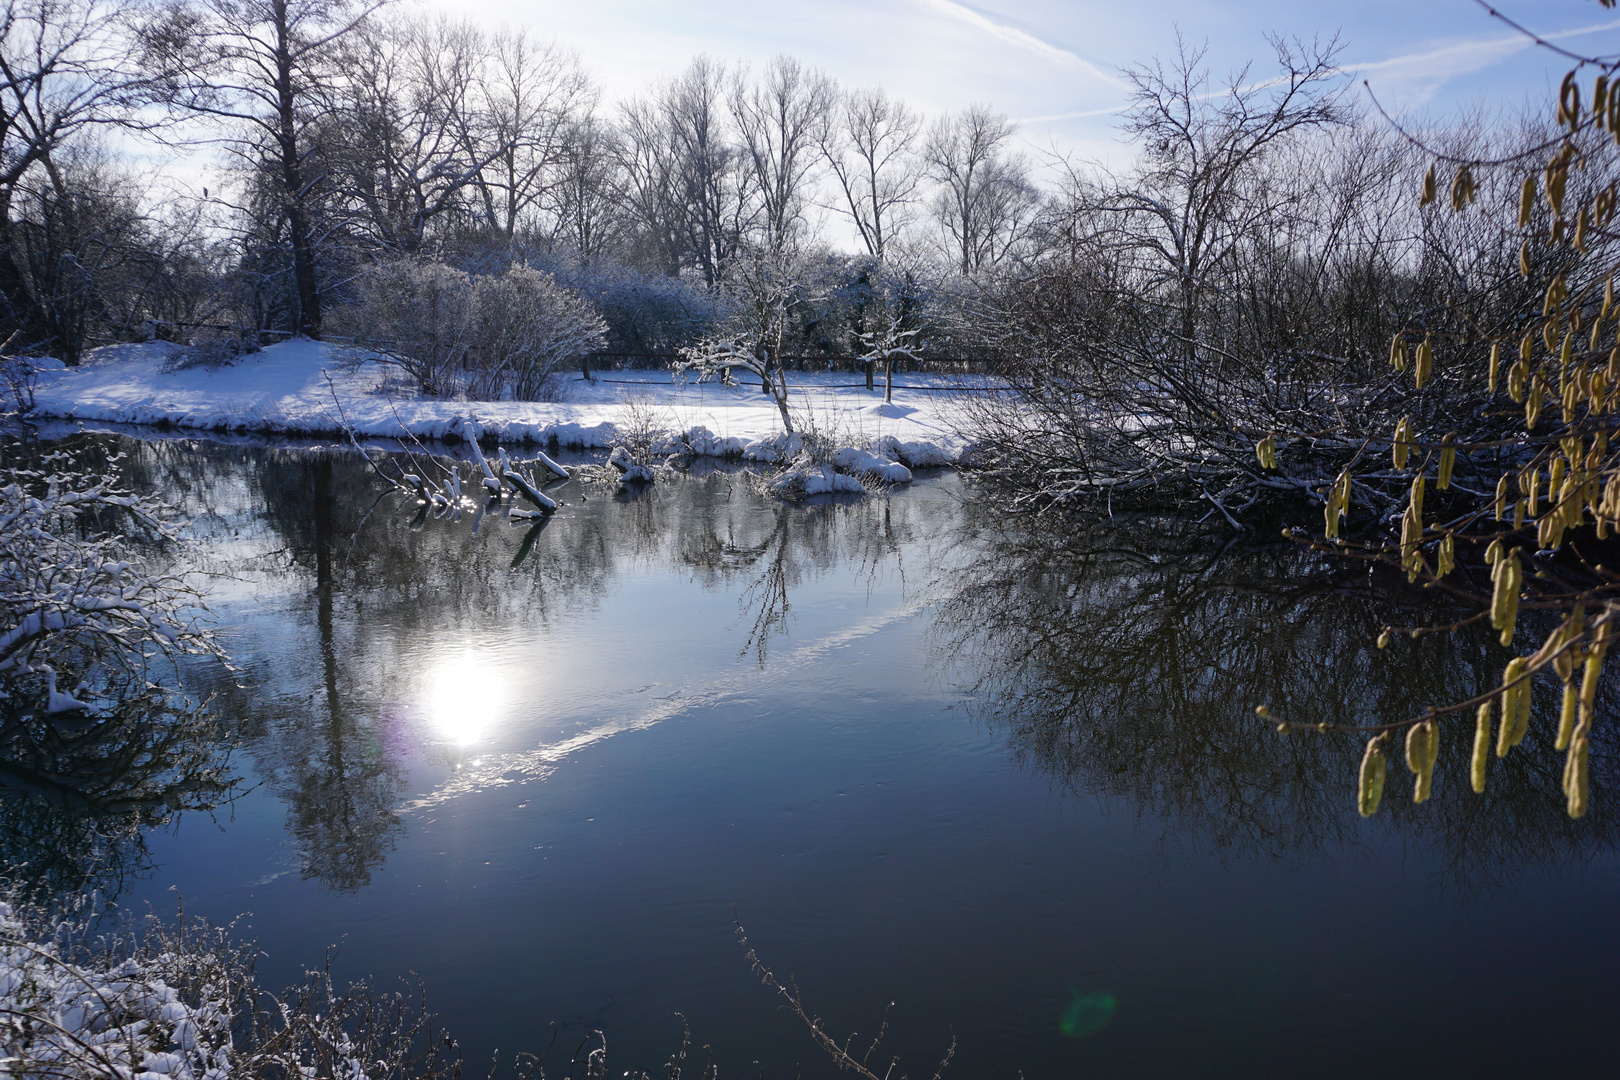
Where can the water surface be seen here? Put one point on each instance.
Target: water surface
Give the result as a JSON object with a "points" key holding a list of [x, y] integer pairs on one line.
{"points": [[1010, 782]]}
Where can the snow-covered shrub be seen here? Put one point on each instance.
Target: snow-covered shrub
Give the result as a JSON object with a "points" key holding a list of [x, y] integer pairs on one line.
{"points": [[180, 1001], [487, 336], [526, 329], [648, 313]]}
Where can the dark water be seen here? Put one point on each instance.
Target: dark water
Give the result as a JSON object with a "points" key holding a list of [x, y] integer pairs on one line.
{"points": [[1011, 783]]}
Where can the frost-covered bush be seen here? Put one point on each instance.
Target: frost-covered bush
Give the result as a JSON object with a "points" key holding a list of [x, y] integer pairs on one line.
{"points": [[486, 336], [180, 1001], [77, 606], [420, 316]]}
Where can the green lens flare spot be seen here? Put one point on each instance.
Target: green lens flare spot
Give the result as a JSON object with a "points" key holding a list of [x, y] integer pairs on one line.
{"points": [[1087, 1014]]}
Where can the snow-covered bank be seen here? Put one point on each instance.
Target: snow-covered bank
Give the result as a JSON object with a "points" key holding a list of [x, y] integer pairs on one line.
{"points": [[305, 388]]}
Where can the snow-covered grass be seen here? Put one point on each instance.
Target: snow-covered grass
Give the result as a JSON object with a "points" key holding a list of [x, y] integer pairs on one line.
{"points": [[305, 388]]}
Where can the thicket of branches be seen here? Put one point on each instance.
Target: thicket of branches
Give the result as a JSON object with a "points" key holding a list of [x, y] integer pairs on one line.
{"points": [[1412, 332]]}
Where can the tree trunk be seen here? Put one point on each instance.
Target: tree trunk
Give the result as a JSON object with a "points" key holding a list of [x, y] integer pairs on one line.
{"points": [[306, 286]]}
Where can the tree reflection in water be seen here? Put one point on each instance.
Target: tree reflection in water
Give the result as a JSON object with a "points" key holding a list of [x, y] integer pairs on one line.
{"points": [[1126, 659], [77, 797], [328, 721]]}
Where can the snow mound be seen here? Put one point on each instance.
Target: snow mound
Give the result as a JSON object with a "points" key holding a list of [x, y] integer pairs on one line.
{"points": [[630, 472], [808, 478], [864, 463], [774, 449]]}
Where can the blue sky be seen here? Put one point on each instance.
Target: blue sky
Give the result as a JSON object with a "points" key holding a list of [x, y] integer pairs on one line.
{"points": [[1054, 63]]}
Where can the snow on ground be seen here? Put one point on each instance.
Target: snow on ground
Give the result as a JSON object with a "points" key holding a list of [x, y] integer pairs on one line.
{"points": [[311, 388]]}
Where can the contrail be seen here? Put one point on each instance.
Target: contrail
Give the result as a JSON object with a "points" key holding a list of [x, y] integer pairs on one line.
{"points": [[1020, 38]]}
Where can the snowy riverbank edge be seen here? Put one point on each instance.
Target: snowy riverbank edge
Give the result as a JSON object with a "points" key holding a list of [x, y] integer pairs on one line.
{"points": [[309, 388]]}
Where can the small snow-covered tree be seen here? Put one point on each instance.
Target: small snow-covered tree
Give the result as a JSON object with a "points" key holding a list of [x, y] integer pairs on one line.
{"points": [[766, 289], [419, 316], [892, 326]]}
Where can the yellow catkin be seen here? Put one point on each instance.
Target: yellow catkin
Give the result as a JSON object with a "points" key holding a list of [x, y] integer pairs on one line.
{"points": [[1549, 333], [1481, 760], [1423, 363], [1569, 504], [1496, 360], [1532, 404], [1518, 377], [1446, 561], [1594, 668], [1569, 102], [1527, 200], [1566, 716], [1576, 785], [1417, 497], [1518, 512], [1511, 690], [1426, 196], [1448, 461], [1532, 490], [1397, 352], [1524, 259], [1509, 579], [1401, 445], [1521, 719], [1580, 231], [1422, 750], [1462, 189], [1501, 497], [1370, 786]]}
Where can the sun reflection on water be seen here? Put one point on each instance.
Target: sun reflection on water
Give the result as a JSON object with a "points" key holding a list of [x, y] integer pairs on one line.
{"points": [[463, 697]]}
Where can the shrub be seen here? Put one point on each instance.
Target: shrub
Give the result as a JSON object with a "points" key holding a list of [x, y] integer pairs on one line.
{"points": [[486, 336]]}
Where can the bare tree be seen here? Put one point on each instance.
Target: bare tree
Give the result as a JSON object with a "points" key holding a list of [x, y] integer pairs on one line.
{"points": [[1186, 206], [66, 72], [985, 202], [585, 204], [261, 66], [534, 93], [782, 120], [650, 188], [872, 151], [398, 144], [713, 182]]}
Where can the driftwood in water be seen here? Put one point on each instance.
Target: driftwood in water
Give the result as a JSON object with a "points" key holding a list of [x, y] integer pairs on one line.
{"points": [[529, 491]]}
